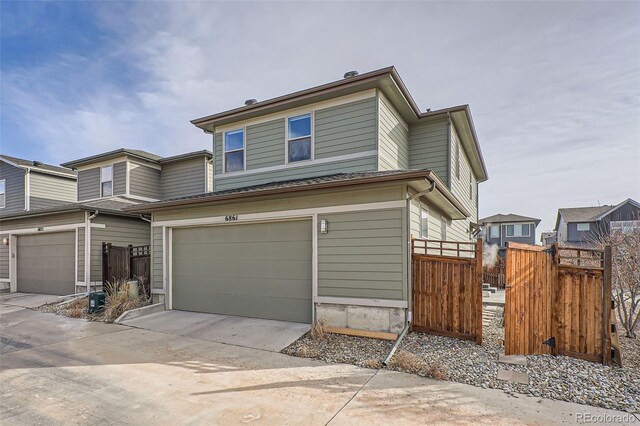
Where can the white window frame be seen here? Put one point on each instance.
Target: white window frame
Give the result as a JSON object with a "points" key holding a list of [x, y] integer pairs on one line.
{"points": [[425, 211], [583, 223], [514, 235], [243, 149], [287, 140], [491, 234], [4, 192], [110, 166]]}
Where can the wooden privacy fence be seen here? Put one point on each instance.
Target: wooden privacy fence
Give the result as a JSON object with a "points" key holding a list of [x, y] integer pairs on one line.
{"points": [[495, 275], [125, 263], [558, 301], [447, 288]]}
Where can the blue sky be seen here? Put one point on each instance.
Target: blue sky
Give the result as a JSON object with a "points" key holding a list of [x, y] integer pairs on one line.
{"points": [[554, 87]]}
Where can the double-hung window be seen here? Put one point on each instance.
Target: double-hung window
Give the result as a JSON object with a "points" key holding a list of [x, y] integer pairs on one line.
{"points": [[299, 144], [3, 194], [234, 151], [106, 181], [494, 231], [518, 230], [424, 223]]}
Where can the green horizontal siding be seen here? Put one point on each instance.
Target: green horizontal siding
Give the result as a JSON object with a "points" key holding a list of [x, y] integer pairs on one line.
{"points": [[182, 178], [120, 178], [265, 144], [394, 138], [14, 188], [4, 261], [144, 181], [156, 257], [363, 255], [429, 147]]}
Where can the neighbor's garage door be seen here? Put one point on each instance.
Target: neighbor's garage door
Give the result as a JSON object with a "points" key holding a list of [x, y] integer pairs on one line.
{"points": [[260, 270], [46, 263]]}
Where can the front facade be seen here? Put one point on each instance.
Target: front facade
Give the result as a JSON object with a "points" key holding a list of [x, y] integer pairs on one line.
{"points": [[57, 249], [583, 226], [500, 229], [316, 196]]}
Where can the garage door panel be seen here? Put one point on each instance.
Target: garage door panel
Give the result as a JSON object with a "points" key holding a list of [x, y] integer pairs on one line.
{"points": [[257, 270], [46, 263]]}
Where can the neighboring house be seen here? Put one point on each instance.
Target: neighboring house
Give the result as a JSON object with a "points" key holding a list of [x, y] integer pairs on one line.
{"points": [[548, 238], [580, 226], [500, 229], [58, 249], [316, 195], [29, 185]]}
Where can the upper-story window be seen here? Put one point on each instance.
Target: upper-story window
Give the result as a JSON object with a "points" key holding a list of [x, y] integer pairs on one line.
{"points": [[494, 231], [106, 181], [3, 194], [299, 138], [518, 230], [583, 227], [234, 151], [424, 223]]}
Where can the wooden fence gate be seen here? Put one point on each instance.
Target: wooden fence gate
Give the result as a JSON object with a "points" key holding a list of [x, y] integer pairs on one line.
{"points": [[127, 262], [558, 301], [447, 288], [495, 275]]}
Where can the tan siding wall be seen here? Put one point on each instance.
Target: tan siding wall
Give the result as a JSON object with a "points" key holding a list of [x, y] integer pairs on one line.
{"points": [[363, 255], [89, 184], [182, 178], [460, 188], [144, 181], [393, 142], [434, 222], [48, 190], [119, 231], [157, 251], [69, 218], [120, 178]]}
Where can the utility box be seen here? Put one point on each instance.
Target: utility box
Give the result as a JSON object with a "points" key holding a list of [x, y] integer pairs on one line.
{"points": [[96, 301]]}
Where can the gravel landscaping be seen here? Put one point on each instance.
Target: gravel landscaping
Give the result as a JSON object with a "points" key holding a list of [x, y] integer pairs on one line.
{"points": [[559, 377]]}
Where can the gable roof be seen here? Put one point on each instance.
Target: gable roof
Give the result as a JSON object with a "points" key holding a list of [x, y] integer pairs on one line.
{"points": [[195, 154], [505, 218], [385, 79], [38, 166], [590, 214], [137, 153]]}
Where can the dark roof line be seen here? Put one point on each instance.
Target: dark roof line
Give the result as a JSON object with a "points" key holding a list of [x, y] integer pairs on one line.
{"points": [[113, 205], [193, 154], [39, 166], [126, 151]]}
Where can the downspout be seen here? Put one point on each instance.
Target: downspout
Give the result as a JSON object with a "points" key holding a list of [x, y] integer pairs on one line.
{"points": [[27, 189], [144, 218], [396, 344], [87, 250]]}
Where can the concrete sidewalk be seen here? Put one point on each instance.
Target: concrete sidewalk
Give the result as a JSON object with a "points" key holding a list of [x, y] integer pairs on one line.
{"points": [[64, 371]]}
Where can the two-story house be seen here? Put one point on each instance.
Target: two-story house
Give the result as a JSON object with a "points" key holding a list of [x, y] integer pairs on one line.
{"points": [[316, 196], [500, 229], [58, 249], [29, 185], [582, 226]]}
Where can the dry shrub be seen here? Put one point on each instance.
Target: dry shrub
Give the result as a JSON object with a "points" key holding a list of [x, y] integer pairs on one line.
{"points": [[118, 303], [305, 351], [76, 312], [78, 303], [407, 361], [318, 330], [372, 363], [412, 363]]}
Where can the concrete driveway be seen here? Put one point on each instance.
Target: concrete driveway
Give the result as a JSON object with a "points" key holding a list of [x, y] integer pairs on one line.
{"points": [[57, 370], [28, 300], [239, 331]]}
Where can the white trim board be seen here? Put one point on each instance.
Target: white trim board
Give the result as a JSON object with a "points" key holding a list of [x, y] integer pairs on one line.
{"points": [[281, 214], [49, 229], [304, 163]]}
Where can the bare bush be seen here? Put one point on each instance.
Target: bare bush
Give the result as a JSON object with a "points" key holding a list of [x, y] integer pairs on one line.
{"points": [[119, 300], [407, 361], [318, 330], [437, 372], [372, 363]]}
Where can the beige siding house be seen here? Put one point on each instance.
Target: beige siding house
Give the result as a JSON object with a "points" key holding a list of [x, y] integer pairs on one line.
{"points": [[56, 248], [315, 198]]}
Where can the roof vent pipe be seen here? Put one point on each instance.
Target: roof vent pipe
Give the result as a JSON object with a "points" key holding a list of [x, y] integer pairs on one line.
{"points": [[350, 74], [250, 102]]}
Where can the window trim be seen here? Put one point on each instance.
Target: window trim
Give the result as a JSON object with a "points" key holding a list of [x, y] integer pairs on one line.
{"points": [[494, 227], [425, 210], [311, 115], [243, 149], [514, 230], [4, 192], [101, 181], [583, 223]]}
